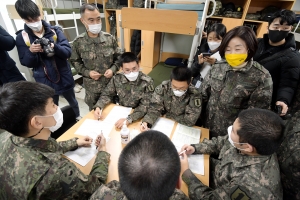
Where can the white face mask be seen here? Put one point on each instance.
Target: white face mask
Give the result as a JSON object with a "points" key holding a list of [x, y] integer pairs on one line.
{"points": [[132, 76], [178, 93], [230, 140], [59, 118], [213, 45], [35, 26], [95, 28]]}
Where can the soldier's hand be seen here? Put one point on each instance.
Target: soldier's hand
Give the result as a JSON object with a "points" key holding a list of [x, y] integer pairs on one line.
{"points": [[109, 73], [200, 59], [284, 107], [100, 142], [184, 162], [35, 48], [94, 75], [211, 60], [144, 127], [98, 114], [120, 123], [189, 149], [84, 142]]}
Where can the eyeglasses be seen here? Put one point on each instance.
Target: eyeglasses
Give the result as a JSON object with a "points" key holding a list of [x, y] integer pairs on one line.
{"points": [[135, 69]]}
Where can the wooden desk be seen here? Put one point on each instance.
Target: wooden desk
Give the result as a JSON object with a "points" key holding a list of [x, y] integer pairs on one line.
{"points": [[114, 147]]}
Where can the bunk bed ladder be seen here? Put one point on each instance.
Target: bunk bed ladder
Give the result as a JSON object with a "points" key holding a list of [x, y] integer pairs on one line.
{"points": [[199, 29]]}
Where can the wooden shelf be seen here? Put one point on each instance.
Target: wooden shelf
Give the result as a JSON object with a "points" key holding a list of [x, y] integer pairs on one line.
{"points": [[111, 9], [215, 17], [254, 21]]}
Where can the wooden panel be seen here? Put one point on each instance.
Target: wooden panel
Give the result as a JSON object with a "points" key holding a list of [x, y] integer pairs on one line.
{"points": [[231, 23], [150, 48], [169, 21], [127, 38], [166, 55], [114, 147], [262, 29], [12, 12], [118, 14], [258, 5]]}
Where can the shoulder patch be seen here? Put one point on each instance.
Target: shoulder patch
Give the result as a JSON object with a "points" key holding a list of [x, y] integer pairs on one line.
{"points": [[150, 87], [197, 102], [239, 194]]}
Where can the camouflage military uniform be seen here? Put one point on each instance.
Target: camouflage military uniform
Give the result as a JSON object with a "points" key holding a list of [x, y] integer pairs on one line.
{"points": [[235, 175], [98, 54], [112, 191], [35, 169], [228, 91], [134, 94], [289, 159], [185, 109]]}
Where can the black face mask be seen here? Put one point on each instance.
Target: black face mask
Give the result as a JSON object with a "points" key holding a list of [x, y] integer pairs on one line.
{"points": [[277, 36]]}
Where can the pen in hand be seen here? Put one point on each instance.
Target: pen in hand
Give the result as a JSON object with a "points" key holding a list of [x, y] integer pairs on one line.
{"points": [[100, 115], [98, 138], [182, 152]]}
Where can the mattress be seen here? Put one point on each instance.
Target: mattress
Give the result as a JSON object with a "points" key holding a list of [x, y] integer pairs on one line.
{"points": [[189, 7]]}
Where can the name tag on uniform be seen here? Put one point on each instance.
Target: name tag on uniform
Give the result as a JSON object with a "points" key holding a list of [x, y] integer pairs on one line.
{"points": [[198, 84]]}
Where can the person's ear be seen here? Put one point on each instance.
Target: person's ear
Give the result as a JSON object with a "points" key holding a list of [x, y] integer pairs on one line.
{"points": [[36, 123], [249, 148]]}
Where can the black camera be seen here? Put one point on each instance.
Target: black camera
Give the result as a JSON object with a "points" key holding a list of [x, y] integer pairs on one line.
{"points": [[46, 46]]}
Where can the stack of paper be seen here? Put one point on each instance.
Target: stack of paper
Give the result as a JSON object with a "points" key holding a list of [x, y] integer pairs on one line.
{"points": [[164, 125], [82, 155]]}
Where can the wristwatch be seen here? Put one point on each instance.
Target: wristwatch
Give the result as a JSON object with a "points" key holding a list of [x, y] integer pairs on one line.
{"points": [[129, 119]]}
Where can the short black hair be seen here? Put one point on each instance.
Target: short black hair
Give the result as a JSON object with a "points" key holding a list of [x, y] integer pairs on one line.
{"points": [[27, 9], [246, 34], [87, 6], [128, 57], [149, 167], [181, 73], [287, 16], [261, 128], [219, 29], [19, 102]]}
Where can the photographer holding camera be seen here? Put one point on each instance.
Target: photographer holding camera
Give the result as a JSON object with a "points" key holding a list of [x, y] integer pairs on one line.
{"points": [[45, 49]]}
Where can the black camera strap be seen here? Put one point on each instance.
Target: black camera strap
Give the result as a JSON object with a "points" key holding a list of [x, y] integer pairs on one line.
{"points": [[46, 71]]}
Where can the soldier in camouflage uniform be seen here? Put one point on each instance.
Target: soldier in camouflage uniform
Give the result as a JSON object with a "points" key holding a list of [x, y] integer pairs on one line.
{"points": [[176, 98], [247, 166], [289, 159], [145, 171], [94, 55], [32, 166], [134, 89], [230, 87]]}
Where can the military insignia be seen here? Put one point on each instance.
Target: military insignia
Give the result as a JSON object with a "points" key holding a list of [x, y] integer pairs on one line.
{"points": [[197, 102], [239, 194], [150, 88]]}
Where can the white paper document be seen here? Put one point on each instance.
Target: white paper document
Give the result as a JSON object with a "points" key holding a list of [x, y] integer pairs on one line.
{"points": [[82, 155], [93, 128], [196, 163], [164, 125], [185, 135]]}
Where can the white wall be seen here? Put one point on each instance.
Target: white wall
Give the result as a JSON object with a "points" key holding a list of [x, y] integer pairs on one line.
{"points": [[296, 6], [177, 43]]}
